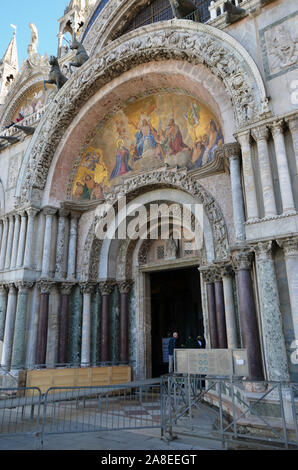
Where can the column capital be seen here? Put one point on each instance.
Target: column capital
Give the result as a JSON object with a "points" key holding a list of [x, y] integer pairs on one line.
{"points": [[208, 273], [49, 210], [260, 133], [11, 288], [23, 286], [226, 270], [45, 285], [289, 245], [242, 259], [66, 287], [106, 287], [75, 215], [3, 289], [125, 286], [292, 122], [32, 211], [277, 127], [22, 212], [231, 150], [243, 137], [63, 212], [263, 250], [87, 287]]}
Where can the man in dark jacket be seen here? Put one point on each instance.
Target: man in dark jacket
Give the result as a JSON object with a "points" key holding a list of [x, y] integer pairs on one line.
{"points": [[173, 344]]}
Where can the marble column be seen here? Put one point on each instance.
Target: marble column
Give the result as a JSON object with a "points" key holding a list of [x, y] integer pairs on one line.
{"points": [[124, 289], [22, 239], [247, 311], [210, 291], [106, 288], [9, 327], [66, 288], [43, 317], [4, 243], [3, 305], [9, 241], [261, 134], [18, 350], [30, 237], [72, 245], [61, 259], [220, 311], [290, 248], [1, 231], [47, 245], [248, 176], [271, 321], [15, 244], [232, 152], [293, 126], [227, 280], [285, 184], [87, 289]]}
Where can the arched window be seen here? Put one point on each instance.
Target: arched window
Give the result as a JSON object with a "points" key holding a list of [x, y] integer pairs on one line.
{"points": [[160, 10]]}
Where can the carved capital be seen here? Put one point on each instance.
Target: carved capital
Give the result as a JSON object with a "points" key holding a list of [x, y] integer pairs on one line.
{"points": [[66, 287], [63, 212], [3, 289], [45, 285], [263, 250], [243, 138], [292, 123], [232, 150], [260, 133], [11, 288], [106, 287], [23, 286], [208, 274], [226, 270], [32, 211], [87, 287], [49, 211], [125, 286], [289, 245], [242, 259], [277, 128]]}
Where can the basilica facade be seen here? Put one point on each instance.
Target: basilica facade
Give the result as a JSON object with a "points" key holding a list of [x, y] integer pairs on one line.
{"points": [[158, 109]]}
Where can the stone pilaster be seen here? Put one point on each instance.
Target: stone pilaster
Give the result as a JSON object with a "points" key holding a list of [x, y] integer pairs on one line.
{"points": [[22, 239], [87, 289], [290, 248], [248, 318], [293, 126], [15, 244], [261, 134], [232, 152], [46, 259], [9, 241], [18, 350], [277, 130], [72, 245], [106, 288], [61, 270], [9, 327], [249, 179], [3, 305], [124, 289], [271, 321], [32, 212]]}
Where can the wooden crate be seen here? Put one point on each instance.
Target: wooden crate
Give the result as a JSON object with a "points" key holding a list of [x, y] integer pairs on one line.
{"points": [[80, 377]]}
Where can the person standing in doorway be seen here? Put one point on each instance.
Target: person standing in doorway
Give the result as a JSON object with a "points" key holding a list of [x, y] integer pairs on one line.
{"points": [[173, 344]]}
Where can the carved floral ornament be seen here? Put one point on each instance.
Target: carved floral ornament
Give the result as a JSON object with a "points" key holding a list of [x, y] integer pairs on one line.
{"points": [[198, 44]]}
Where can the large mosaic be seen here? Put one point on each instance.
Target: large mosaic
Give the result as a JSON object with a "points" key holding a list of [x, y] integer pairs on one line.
{"points": [[160, 129]]}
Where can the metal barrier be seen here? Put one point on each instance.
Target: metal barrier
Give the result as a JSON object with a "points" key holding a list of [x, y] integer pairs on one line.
{"points": [[115, 407], [20, 412], [239, 410]]}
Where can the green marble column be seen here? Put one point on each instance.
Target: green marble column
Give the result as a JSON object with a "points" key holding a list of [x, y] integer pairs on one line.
{"points": [[75, 326], [132, 330], [3, 304], [95, 328], [115, 326], [18, 350], [271, 321]]}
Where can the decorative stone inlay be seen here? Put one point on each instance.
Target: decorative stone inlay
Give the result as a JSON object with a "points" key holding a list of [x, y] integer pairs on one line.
{"points": [[199, 44], [106, 287], [125, 286]]}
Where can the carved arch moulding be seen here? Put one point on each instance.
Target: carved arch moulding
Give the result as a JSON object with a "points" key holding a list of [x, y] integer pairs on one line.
{"points": [[156, 179], [198, 43]]}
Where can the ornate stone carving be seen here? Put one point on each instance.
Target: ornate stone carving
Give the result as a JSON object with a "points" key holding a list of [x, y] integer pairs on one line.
{"points": [[242, 259], [260, 133], [263, 250], [87, 287], [23, 286], [231, 150], [45, 285], [289, 245], [125, 286], [66, 288], [239, 76], [106, 287], [282, 46]]}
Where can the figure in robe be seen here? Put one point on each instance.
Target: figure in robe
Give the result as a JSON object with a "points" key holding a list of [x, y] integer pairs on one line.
{"points": [[145, 138], [175, 141], [122, 155], [214, 140], [88, 187]]}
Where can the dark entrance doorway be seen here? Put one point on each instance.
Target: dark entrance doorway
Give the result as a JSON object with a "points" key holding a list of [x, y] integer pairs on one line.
{"points": [[175, 306]]}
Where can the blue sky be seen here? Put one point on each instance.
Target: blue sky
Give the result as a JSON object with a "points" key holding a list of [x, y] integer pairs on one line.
{"points": [[45, 15]]}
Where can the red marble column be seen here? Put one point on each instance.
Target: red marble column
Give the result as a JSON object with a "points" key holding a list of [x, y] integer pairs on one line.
{"points": [[210, 290], [220, 313], [106, 288], [42, 327], [124, 288], [247, 312]]}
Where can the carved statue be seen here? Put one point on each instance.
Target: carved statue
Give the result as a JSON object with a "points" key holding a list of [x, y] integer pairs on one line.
{"points": [[32, 48], [81, 56], [56, 77], [171, 248], [233, 13], [182, 8]]}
